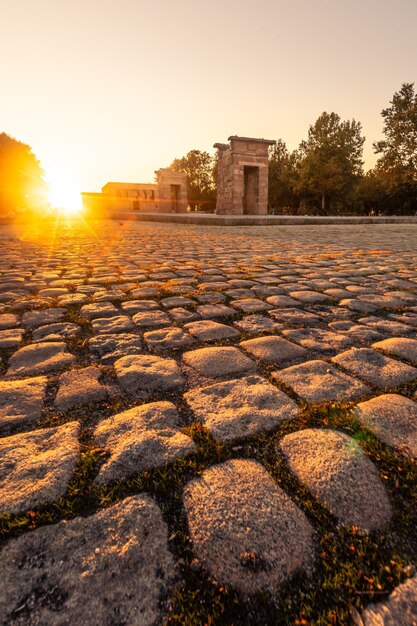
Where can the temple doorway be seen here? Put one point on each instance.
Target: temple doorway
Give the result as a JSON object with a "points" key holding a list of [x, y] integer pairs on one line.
{"points": [[250, 190]]}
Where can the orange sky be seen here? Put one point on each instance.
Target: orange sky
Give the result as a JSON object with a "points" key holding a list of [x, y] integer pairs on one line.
{"points": [[105, 90]]}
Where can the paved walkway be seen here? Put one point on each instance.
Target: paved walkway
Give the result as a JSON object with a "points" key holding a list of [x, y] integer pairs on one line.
{"points": [[212, 219], [204, 404]]}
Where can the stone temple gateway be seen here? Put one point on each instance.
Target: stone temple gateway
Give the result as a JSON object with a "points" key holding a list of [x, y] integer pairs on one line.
{"points": [[242, 185], [242, 179]]}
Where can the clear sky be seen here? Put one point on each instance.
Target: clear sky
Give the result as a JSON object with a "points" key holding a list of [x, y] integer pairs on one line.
{"points": [[112, 90]]}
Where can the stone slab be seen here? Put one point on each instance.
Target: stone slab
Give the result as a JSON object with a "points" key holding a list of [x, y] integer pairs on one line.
{"points": [[318, 381], [399, 610], [109, 348], [21, 401], [113, 567], [141, 438], [374, 368], [245, 529], [393, 419], [40, 358], [36, 467], [236, 409], [272, 349], [335, 469], [218, 362], [78, 387], [144, 375]]}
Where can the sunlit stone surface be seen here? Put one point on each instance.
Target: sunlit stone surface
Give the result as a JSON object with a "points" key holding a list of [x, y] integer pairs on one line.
{"points": [[168, 357], [245, 528], [60, 574]]}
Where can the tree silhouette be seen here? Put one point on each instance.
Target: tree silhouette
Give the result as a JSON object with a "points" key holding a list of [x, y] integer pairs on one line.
{"points": [[22, 184]]}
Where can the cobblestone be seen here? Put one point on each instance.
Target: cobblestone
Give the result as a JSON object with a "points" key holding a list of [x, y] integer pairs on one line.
{"points": [[10, 338], [21, 401], [333, 466], [60, 574], [374, 368], [218, 362], [399, 609], [275, 350], [108, 348], [141, 438], [393, 419], [79, 387], [40, 358], [144, 375], [207, 330], [168, 338], [236, 513], [56, 332], [33, 319], [240, 408], [36, 467], [399, 347], [318, 381], [239, 339]]}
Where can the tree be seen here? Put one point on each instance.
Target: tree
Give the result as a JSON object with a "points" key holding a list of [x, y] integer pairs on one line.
{"points": [[282, 174], [22, 184], [397, 165], [201, 185], [330, 160], [372, 193]]}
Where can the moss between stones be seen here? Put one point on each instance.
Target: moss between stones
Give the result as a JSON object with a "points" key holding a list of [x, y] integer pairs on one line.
{"points": [[352, 568]]}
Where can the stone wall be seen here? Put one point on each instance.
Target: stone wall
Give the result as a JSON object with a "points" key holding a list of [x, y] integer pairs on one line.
{"points": [[172, 191], [131, 196], [168, 195]]}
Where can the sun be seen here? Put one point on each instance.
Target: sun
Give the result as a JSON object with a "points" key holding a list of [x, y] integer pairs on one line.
{"points": [[63, 194]]}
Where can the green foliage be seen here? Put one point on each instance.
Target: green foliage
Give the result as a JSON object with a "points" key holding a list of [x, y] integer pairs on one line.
{"points": [[200, 168], [22, 184], [396, 169], [330, 160], [282, 178]]}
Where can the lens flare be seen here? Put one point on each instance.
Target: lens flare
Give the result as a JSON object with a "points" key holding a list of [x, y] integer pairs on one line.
{"points": [[63, 194]]}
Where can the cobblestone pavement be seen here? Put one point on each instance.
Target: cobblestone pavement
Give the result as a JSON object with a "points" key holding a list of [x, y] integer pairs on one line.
{"points": [[190, 414]]}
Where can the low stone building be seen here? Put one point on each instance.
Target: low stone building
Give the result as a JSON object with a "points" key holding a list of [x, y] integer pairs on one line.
{"points": [[167, 195], [242, 179]]}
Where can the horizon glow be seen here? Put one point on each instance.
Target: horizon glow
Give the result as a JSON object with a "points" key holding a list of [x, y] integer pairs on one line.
{"points": [[106, 91]]}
